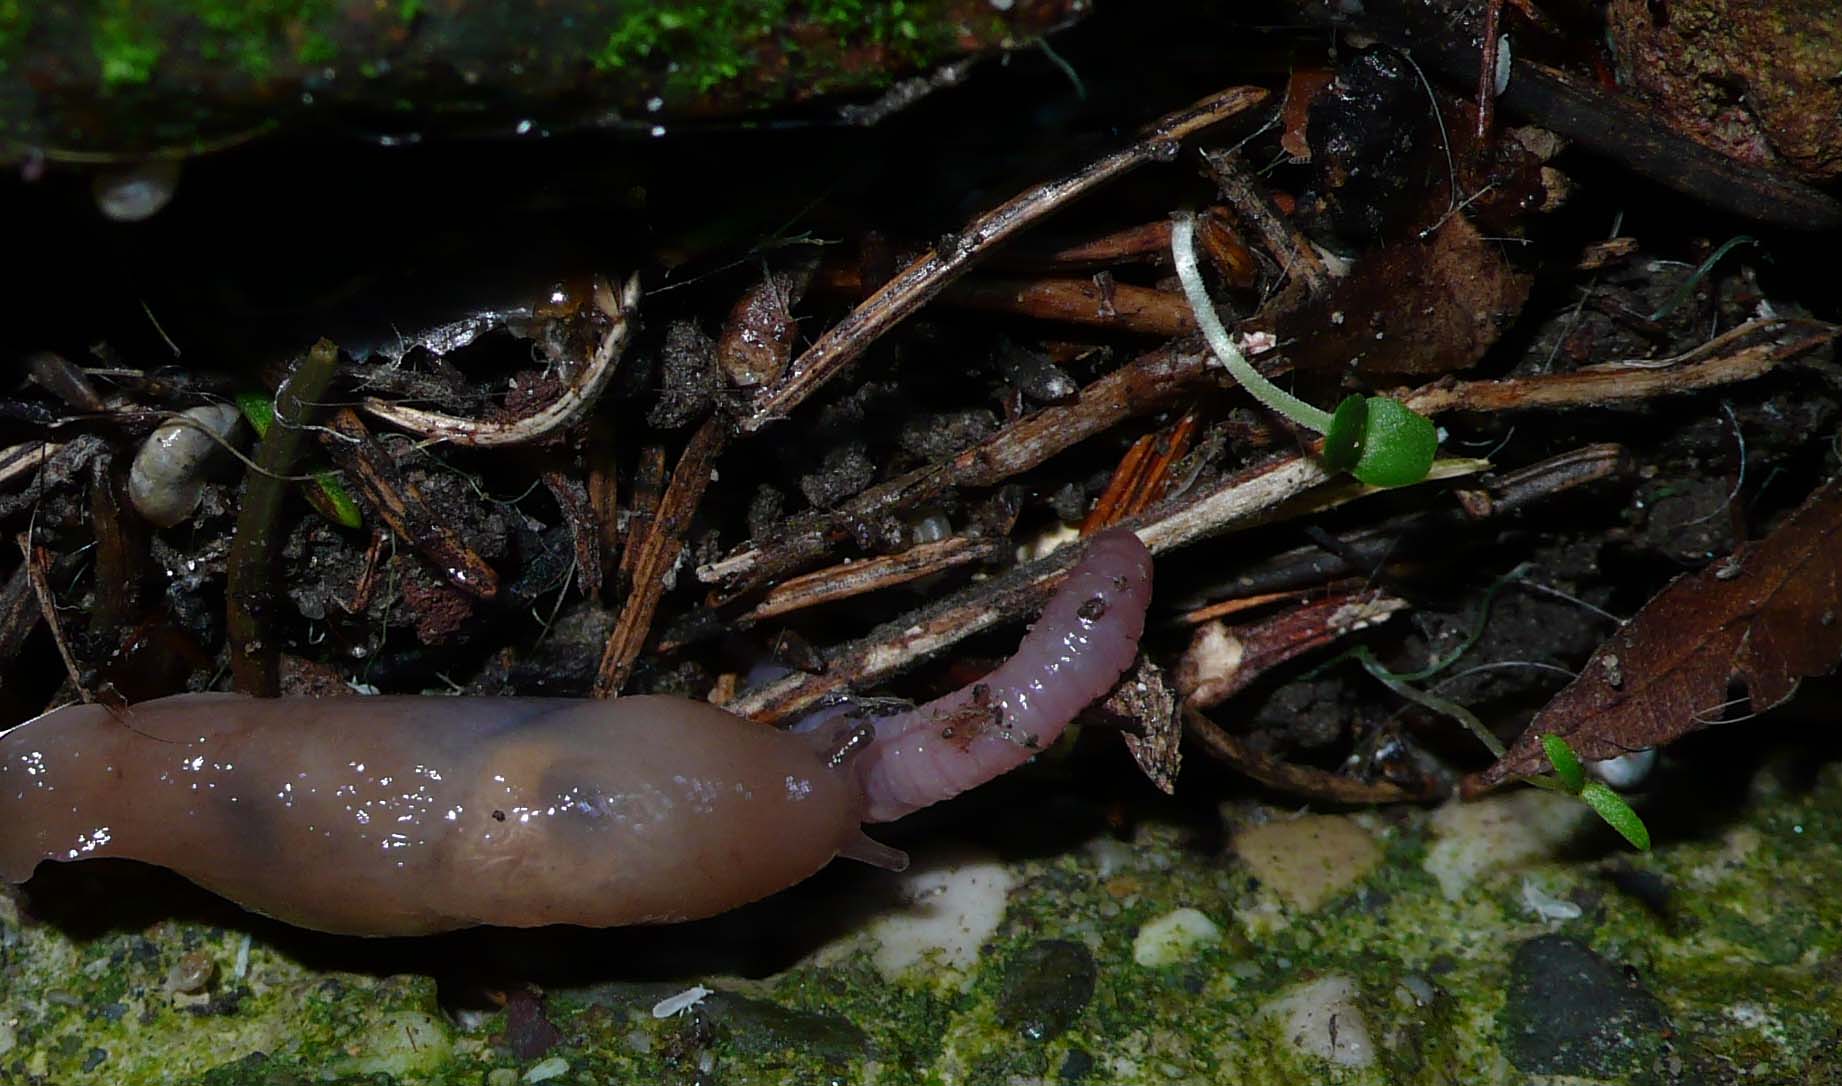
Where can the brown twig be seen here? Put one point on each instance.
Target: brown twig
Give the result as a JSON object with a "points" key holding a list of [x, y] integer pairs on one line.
{"points": [[250, 596], [658, 555], [38, 573], [1223, 660], [1297, 780], [648, 492], [1487, 69], [1143, 475], [1115, 307], [19, 616], [869, 574], [366, 588], [400, 504], [603, 487], [1250, 200], [584, 529], [1236, 605], [1741, 354], [1144, 243], [1119, 307], [914, 285], [1147, 383]]}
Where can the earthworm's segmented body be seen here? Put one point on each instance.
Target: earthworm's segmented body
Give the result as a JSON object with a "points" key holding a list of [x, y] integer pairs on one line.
{"points": [[407, 815]]}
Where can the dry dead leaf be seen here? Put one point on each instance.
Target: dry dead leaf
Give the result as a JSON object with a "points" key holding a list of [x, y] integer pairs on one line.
{"points": [[1766, 617], [1417, 307]]}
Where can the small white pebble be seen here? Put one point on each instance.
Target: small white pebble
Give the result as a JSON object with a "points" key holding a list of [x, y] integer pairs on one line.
{"points": [[1322, 1018], [1172, 937], [953, 902], [545, 1070]]}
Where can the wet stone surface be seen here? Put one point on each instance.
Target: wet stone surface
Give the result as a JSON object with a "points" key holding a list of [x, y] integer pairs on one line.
{"points": [[1572, 1012], [1045, 988]]}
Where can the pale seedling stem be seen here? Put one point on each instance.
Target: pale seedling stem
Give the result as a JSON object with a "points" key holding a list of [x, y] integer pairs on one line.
{"points": [[1183, 256]]}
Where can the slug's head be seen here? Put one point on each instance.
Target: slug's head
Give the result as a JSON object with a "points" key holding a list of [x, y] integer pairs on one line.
{"points": [[840, 742]]}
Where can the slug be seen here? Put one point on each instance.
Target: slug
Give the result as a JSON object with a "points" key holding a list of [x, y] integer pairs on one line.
{"points": [[411, 815]]}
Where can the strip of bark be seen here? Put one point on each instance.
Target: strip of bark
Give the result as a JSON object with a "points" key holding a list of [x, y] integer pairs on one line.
{"points": [[655, 566], [19, 616], [38, 574], [1751, 350], [914, 285], [400, 504], [869, 574], [1148, 383], [1295, 780]]}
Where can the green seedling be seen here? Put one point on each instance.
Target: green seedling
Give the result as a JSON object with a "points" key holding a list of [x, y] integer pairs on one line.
{"points": [[328, 495], [1378, 440], [1570, 777]]}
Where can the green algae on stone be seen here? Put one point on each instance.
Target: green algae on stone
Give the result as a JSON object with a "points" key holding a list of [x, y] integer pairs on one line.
{"points": [[117, 80], [1432, 968], [1045, 987]]}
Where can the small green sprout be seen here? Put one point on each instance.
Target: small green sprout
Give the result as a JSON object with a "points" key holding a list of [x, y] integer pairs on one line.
{"points": [[1570, 777], [1378, 440], [329, 496]]}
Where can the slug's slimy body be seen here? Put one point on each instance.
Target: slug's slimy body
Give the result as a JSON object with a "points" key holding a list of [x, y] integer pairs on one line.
{"points": [[407, 815]]}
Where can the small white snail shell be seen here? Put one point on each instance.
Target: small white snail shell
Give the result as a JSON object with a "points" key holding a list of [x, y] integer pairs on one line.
{"points": [[167, 478], [1627, 770]]}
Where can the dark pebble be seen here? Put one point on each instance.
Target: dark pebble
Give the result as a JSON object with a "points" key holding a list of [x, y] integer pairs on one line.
{"points": [[1571, 1012], [1045, 988]]}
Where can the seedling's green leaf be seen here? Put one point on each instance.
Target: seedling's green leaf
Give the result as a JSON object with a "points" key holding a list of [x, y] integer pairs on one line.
{"points": [[328, 495], [1617, 814], [1343, 441], [259, 410], [1397, 445], [334, 501], [1567, 767]]}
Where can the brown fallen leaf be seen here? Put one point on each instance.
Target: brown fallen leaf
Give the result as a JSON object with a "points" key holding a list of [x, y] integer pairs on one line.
{"points": [[1766, 617], [1411, 308]]}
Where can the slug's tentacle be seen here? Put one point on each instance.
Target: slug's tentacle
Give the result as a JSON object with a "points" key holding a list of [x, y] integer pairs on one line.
{"points": [[1085, 640]]}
